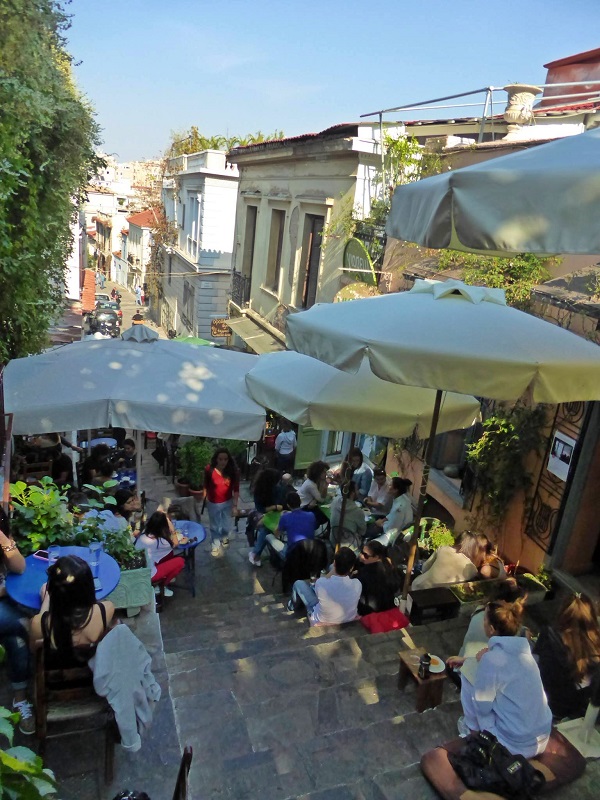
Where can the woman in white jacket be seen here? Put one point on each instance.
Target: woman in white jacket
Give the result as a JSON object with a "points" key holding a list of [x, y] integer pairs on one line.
{"points": [[505, 695]]}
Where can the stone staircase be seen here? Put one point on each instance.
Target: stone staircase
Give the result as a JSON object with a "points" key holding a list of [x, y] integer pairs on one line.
{"points": [[274, 709]]}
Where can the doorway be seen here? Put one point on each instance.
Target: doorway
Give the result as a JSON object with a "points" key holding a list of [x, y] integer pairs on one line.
{"points": [[311, 259]]}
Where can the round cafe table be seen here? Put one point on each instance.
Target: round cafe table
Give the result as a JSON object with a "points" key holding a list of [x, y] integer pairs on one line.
{"points": [[112, 443], [25, 589]]}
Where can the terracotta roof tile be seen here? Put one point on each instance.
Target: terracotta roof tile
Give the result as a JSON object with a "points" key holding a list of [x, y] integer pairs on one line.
{"points": [[145, 219]]}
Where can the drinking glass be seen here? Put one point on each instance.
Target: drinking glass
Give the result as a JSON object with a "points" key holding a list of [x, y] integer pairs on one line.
{"points": [[53, 554], [95, 550]]}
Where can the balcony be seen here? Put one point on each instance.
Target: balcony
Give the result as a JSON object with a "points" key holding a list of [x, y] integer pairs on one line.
{"points": [[240, 289]]}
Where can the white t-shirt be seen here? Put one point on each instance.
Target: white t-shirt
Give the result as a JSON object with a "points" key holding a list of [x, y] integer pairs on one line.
{"points": [[445, 566], [157, 549], [338, 600], [381, 494], [285, 443], [309, 492]]}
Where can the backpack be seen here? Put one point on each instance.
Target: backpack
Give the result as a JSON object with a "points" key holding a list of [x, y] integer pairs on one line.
{"points": [[486, 765]]}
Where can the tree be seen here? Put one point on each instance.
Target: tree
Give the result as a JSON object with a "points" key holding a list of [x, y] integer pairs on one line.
{"points": [[192, 141], [47, 140]]}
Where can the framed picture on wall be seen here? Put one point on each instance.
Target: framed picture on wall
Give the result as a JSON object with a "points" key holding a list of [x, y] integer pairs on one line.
{"points": [[561, 455]]}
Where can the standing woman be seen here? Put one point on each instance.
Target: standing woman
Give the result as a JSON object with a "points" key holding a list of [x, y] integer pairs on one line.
{"points": [[158, 539], [14, 629], [568, 655], [222, 491]]}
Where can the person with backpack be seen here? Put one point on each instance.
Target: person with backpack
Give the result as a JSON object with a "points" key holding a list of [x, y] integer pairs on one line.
{"points": [[221, 492]]}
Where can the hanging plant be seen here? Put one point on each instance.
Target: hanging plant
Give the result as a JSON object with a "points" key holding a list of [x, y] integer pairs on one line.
{"points": [[498, 457]]}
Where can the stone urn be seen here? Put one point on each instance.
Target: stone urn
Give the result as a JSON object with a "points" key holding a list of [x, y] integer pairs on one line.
{"points": [[519, 109]]}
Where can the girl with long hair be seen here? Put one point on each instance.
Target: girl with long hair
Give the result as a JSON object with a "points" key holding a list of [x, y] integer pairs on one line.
{"points": [[71, 621], [569, 656], [222, 491], [505, 695], [267, 497], [378, 578], [158, 539], [455, 563]]}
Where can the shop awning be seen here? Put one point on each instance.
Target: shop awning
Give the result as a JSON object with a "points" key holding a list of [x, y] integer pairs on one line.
{"points": [[255, 337]]}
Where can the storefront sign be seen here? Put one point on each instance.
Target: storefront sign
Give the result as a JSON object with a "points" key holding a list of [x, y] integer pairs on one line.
{"points": [[357, 262], [219, 329]]}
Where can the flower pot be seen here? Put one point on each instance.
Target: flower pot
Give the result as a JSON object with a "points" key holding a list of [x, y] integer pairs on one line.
{"points": [[197, 494], [133, 591], [182, 489]]}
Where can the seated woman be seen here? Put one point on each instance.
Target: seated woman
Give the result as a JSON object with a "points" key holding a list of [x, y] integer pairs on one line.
{"points": [[158, 539], [354, 524], [70, 622], [267, 497], [378, 578], [14, 633], [313, 491], [354, 469], [452, 564], [116, 517], [505, 696], [492, 565], [387, 529], [568, 655]]}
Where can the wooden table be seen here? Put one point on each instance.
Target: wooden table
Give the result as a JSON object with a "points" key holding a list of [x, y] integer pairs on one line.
{"points": [[429, 690]]}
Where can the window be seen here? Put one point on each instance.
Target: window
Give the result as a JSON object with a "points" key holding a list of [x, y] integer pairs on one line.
{"points": [[275, 247], [249, 237], [334, 443], [193, 239], [187, 313], [311, 260]]}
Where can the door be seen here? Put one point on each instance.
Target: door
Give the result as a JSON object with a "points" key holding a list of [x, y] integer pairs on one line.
{"points": [[312, 259]]}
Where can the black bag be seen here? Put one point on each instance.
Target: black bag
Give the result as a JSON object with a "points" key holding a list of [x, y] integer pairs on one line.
{"points": [[484, 764]]}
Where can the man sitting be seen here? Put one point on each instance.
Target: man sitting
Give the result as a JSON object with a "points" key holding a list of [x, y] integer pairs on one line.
{"points": [[126, 457], [379, 500], [334, 598], [297, 524]]}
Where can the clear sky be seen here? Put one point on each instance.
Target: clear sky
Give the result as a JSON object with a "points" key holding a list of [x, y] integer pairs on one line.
{"points": [[239, 66]]}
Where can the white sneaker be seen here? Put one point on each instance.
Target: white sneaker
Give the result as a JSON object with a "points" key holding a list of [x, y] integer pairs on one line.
{"points": [[167, 592], [216, 550], [256, 562], [225, 541], [27, 721]]}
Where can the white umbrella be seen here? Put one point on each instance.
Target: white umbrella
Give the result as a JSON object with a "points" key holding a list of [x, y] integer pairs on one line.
{"points": [[155, 386], [139, 333], [455, 337], [542, 200], [309, 392]]}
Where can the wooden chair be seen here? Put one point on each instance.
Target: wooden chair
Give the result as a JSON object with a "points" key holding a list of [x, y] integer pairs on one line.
{"points": [[182, 788], [35, 471], [65, 699]]}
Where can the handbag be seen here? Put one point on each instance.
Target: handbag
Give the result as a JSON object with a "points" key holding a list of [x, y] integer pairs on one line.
{"points": [[484, 764]]}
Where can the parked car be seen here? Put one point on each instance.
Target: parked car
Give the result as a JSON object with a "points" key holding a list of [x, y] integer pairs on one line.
{"points": [[104, 320], [112, 305]]}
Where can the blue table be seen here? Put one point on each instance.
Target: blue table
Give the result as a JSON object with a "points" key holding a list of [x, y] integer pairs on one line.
{"points": [[25, 588], [112, 443], [127, 478], [195, 531]]}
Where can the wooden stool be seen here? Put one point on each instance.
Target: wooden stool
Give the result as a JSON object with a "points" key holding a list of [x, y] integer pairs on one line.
{"points": [[429, 690]]}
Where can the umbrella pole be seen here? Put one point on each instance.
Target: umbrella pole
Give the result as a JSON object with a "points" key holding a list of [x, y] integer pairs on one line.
{"points": [[344, 496], [422, 493]]}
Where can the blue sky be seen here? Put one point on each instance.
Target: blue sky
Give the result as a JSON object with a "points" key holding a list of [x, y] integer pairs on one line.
{"points": [[239, 66]]}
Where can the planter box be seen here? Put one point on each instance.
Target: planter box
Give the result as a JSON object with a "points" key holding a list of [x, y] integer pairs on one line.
{"points": [[133, 591], [472, 594]]}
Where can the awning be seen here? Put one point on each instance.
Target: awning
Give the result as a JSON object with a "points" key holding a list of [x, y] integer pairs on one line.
{"points": [[255, 337]]}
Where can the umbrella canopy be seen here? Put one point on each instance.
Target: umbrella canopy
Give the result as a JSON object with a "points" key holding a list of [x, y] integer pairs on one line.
{"points": [[542, 200], [195, 340], [310, 392], [451, 336], [139, 333], [155, 386]]}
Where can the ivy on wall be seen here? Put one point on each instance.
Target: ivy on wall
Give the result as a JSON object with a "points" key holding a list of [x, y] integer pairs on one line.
{"points": [[47, 139]]}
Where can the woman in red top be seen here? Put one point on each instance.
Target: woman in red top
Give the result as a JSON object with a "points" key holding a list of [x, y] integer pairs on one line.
{"points": [[222, 490]]}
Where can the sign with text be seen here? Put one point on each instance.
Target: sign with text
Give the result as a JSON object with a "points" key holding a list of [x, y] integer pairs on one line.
{"points": [[357, 262], [219, 329]]}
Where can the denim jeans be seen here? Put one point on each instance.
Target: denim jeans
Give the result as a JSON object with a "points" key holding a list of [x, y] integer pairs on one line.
{"points": [[14, 636], [303, 591], [219, 515], [261, 540]]}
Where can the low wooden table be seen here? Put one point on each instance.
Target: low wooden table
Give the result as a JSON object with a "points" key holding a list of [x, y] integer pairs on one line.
{"points": [[429, 690]]}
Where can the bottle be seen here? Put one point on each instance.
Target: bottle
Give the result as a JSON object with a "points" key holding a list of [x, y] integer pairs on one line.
{"points": [[424, 664]]}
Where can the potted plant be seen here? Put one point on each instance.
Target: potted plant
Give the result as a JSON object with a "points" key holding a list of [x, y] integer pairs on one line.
{"points": [[192, 458], [22, 772], [41, 515]]}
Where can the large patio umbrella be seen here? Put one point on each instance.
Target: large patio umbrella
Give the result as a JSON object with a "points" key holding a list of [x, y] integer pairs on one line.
{"points": [[155, 386], [545, 199], [310, 392], [455, 337]]}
